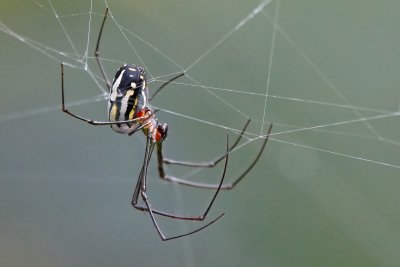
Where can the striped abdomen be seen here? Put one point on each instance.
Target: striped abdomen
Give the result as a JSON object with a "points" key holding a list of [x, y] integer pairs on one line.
{"points": [[127, 96]]}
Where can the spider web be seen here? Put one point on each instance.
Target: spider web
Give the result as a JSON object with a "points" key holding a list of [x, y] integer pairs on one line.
{"points": [[280, 81], [81, 58]]}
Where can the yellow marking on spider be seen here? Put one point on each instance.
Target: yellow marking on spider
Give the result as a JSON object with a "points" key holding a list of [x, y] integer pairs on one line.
{"points": [[113, 112], [132, 113]]}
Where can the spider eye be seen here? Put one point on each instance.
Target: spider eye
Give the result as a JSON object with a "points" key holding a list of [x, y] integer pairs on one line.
{"points": [[162, 131]]}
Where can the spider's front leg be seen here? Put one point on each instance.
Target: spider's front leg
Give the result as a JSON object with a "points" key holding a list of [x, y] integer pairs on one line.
{"points": [[140, 189], [227, 186]]}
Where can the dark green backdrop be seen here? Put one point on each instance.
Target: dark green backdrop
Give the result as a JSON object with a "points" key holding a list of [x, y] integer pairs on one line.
{"points": [[325, 192]]}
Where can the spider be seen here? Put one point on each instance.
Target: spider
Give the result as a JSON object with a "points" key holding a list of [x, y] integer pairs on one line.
{"points": [[128, 112]]}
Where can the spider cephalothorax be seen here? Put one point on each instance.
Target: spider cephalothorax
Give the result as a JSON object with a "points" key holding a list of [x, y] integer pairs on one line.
{"points": [[152, 128]]}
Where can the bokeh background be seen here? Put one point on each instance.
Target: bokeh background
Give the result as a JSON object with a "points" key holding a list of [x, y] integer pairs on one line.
{"points": [[324, 193]]}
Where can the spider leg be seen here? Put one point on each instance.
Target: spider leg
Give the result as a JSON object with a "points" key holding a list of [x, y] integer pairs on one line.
{"points": [[165, 84], [139, 127], [94, 122], [140, 189], [160, 233], [226, 186], [97, 52], [208, 164]]}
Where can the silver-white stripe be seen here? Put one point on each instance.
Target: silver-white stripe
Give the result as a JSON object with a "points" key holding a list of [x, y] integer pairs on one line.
{"points": [[124, 105], [114, 88]]}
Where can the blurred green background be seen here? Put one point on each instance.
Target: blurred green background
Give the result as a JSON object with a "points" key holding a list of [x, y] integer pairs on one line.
{"points": [[325, 192]]}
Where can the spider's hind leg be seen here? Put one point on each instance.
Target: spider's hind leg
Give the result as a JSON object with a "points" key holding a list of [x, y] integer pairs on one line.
{"points": [[165, 84]]}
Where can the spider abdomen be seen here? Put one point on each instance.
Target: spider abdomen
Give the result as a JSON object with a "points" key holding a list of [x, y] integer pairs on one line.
{"points": [[127, 96]]}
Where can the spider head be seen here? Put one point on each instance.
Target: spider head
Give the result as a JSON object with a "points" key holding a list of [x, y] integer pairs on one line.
{"points": [[129, 76], [161, 132]]}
